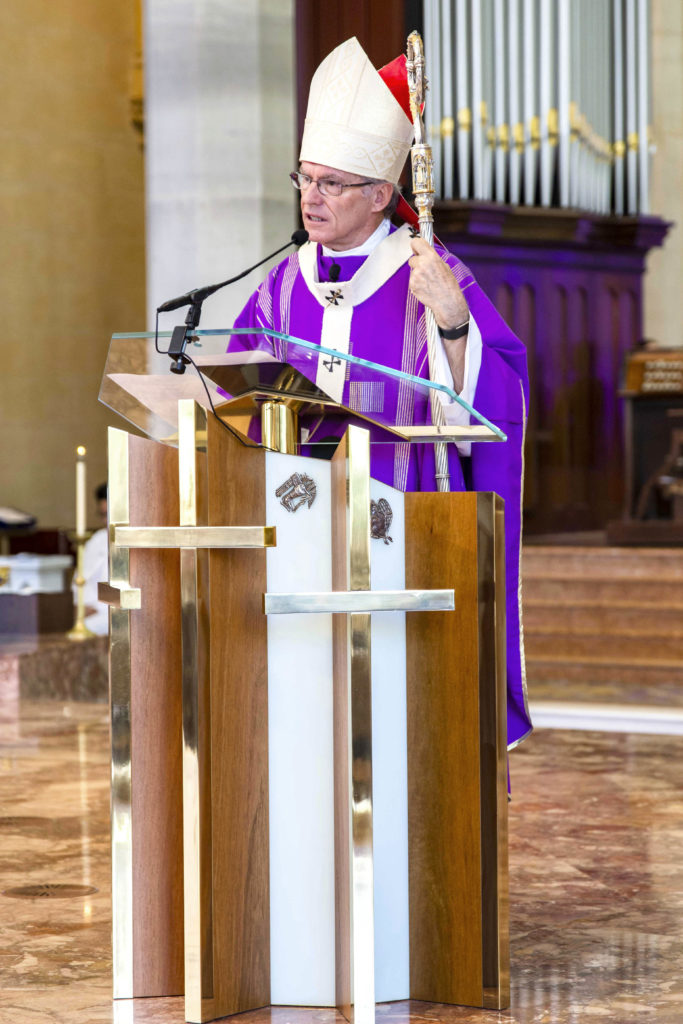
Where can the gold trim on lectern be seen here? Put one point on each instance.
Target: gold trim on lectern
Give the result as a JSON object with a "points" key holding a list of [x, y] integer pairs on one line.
{"points": [[493, 753], [120, 699], [279, 427], [195, 625], [360, 601], [353, 730], [196, 536], [119, 596]]}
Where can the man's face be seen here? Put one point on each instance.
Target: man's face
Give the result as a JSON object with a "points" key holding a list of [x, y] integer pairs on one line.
{"points": [[345, 221]]}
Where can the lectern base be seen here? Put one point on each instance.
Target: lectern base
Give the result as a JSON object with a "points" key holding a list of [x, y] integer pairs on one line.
{"points": [[405, 1011]]}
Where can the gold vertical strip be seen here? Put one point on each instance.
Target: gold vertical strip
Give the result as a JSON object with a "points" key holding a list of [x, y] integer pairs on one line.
{"points": [[493, 752], [195, 625], [120, 701], [279, 427], [353, 734], [342, 740], [358, 502], [501, 766], [362, 874]]}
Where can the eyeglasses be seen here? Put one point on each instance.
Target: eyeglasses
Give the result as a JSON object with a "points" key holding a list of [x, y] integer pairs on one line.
{"points": [[326, 186]]}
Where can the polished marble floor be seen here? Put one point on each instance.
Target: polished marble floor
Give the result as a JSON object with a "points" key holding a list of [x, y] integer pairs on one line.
{"points": [[596, 880]]}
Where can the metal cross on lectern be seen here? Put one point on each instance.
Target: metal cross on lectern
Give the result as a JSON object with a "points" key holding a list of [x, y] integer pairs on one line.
{"points": [[353, 602]]}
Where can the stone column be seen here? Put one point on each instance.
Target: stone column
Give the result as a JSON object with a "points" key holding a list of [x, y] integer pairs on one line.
{"points": [[220, 141]]}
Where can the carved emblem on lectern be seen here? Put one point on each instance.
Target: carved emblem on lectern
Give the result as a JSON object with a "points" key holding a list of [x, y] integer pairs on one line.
{"points": [[380, 520], [298, 490]]}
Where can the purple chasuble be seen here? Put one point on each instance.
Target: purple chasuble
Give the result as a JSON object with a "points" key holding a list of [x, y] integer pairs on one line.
{"points": [[389, 328]]}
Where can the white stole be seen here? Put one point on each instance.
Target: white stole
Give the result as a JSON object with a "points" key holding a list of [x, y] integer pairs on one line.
{"points": [[339, 299]]}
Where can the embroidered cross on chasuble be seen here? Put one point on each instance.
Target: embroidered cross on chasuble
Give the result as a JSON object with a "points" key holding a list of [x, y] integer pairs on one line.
{"points": [[338, 304]]}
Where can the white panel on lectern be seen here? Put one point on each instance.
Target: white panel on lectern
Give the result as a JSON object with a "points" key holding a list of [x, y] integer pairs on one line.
{"points": [[300, 682], [300, 745]]}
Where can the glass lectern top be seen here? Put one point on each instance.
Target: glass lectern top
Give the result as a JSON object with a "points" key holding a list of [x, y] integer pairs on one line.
{"points": [[234, 371]]}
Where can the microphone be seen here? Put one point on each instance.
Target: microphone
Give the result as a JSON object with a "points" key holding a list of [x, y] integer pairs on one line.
{"points": [[335, 271], [197, 295]]}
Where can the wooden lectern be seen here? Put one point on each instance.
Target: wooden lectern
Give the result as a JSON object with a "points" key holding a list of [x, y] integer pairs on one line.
{"points": [[300, 816]]}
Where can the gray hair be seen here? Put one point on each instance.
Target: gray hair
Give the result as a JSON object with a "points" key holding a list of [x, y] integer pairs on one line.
{"points": [[390, 209]]}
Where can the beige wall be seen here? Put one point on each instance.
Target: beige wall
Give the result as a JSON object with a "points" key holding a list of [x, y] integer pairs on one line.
{"points": [[664, 280], [221, 74], [72, 252]]}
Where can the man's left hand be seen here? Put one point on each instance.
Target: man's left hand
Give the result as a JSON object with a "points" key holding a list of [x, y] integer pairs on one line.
{"points": [[433, 284]]}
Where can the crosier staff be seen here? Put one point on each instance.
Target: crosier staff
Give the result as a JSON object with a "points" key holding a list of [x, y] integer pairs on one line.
{"points": [[423, 190]]}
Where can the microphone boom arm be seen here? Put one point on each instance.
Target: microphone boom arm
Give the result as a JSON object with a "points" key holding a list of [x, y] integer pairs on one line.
{"points": [[197, 295], [195, 298]]}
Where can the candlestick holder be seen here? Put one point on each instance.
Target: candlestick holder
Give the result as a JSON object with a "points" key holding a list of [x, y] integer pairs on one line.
{"points": [[79, 631]]}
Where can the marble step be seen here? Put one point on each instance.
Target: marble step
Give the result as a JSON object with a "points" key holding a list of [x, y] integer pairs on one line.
{"points": [[583, 590], [605, 647], [602, 563], [650, 623], [564, 674], [602, 616]]}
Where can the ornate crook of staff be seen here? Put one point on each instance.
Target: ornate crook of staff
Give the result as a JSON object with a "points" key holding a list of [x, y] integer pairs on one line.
{"points": [[423, 189]]}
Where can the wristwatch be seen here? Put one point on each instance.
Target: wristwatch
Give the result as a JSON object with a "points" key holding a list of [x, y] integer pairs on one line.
{"points": [[453, 333]]}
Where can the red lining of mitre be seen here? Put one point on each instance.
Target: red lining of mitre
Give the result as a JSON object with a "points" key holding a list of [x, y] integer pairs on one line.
{"points": [[395, 77]]}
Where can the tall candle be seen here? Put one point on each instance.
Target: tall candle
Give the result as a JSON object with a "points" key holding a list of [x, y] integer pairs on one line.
{"points": [[80, 490]]}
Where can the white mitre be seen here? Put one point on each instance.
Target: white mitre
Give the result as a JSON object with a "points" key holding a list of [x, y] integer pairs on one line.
{"points": [[353, 122]]}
